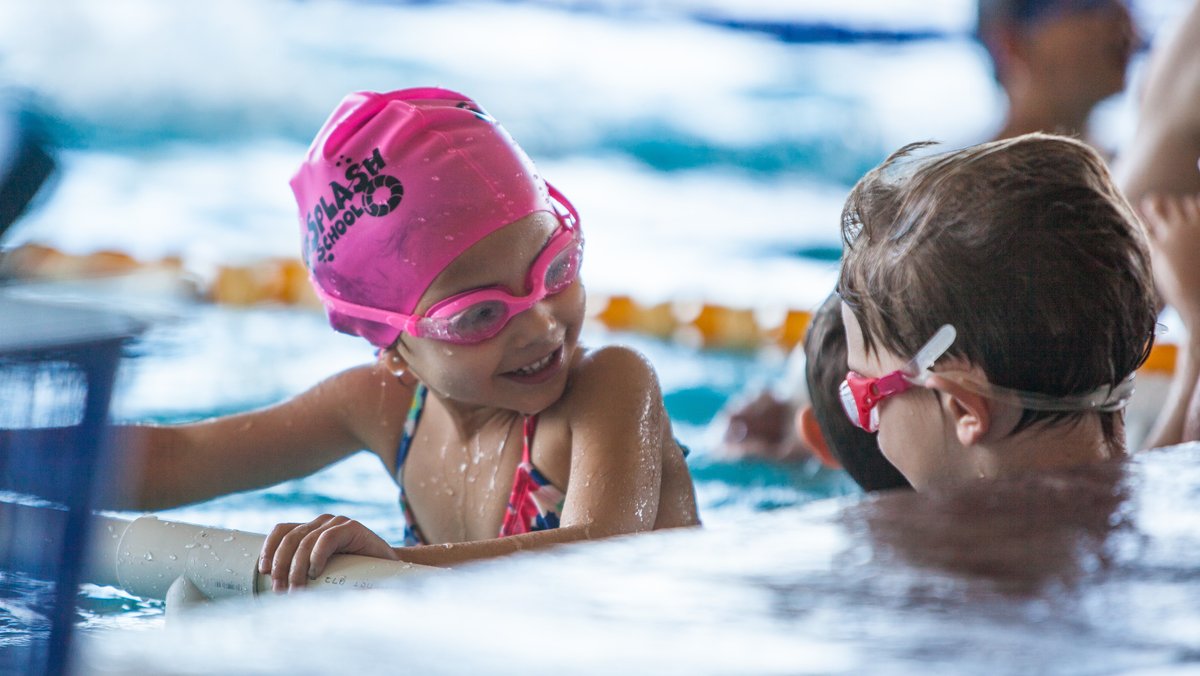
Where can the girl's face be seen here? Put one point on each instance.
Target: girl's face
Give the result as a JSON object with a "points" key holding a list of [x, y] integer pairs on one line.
{"points": [[523, 367], [913, 433]]}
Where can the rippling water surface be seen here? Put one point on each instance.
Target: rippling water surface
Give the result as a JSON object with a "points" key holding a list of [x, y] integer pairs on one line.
{"points": [[708, 145]]}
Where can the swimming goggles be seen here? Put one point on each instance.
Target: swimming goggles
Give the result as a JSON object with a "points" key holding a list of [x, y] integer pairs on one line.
{"points": [[861, 395], [477, 315]]}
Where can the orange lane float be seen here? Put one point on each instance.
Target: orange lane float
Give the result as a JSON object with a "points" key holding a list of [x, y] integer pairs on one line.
{"points": [[285, 281], [275, 280]]}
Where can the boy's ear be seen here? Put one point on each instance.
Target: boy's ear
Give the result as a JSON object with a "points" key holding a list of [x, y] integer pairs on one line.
{"points": [[971, 413], [810, 433]]}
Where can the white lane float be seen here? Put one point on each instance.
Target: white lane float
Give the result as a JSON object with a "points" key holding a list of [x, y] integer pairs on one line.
{"points": [[187, 564]]}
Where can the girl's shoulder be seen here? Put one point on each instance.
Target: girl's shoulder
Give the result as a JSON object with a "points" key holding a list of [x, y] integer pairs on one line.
{"points": [[603, 372], [616, 360], [357, 395], [370, 382]]}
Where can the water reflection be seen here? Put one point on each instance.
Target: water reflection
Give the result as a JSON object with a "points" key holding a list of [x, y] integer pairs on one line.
{"points": [[1085, 571]]}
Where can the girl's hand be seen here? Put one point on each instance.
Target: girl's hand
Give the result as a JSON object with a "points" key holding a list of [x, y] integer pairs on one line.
{"points": [[1173, 229], [295, 553]]}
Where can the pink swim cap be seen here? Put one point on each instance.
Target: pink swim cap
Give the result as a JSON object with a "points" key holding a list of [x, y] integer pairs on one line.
{"points": [[398, 185]]}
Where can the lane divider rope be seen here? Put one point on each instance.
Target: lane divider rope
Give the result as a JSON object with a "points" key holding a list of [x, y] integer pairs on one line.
{"points": [[285, 281]]}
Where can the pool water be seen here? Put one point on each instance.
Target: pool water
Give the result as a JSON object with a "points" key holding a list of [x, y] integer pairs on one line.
{"points": [[1089, 572], [716, 174]]}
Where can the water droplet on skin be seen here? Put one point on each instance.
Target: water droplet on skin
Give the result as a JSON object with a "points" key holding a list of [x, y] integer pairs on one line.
{"points": [[462, 467]]}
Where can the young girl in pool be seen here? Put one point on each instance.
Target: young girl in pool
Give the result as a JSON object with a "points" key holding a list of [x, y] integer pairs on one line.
{"points": [[428, 232]]}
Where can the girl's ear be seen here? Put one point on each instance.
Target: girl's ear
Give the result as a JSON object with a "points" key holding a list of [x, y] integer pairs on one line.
{"points": [[810, 433], [393, 362], [970, 413]]}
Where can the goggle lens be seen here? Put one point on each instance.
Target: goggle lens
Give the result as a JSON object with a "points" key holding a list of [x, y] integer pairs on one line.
{"points": [[484, 319]]}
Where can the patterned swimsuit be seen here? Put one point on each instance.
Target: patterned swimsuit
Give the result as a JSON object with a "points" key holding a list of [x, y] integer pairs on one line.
{"points": [[534, 503]]}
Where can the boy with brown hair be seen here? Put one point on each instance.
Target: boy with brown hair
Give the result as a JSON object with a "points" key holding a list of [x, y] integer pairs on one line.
{"points": [[997, 300], [822, 424]]}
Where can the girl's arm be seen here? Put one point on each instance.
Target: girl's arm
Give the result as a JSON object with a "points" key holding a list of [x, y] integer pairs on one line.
{"points": [[170, 465], [620, 442]]}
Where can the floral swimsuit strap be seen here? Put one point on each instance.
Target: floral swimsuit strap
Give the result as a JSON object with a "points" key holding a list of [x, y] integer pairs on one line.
{"points": [[534, 503], [412, 534]]}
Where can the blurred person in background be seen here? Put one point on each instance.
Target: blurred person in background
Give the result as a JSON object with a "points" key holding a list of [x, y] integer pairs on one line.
{"points": [[1056, 60]]}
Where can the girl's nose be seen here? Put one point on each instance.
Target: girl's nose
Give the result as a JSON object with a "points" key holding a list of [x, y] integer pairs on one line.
{"points": [[538, 322]]}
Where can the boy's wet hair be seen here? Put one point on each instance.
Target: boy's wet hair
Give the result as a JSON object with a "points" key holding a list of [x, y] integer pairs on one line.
{"points": [[1025, 245], [825, 367]]}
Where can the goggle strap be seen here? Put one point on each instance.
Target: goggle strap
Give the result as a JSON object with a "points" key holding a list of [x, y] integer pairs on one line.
{"points": [[1103, 399], [933, 349], [1106, 398], [394, 320], [571, 215]]}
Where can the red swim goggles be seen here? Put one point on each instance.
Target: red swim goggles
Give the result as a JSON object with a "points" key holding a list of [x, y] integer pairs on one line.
{"points": [[861, 395]]}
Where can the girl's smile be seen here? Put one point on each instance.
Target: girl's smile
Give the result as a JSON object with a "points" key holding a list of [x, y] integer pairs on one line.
{"points": [[539, 371]]}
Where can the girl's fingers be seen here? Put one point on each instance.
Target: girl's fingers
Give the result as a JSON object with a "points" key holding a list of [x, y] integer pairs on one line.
{"points": [[285, 552], [331, 542], [271, 544], [314, 551], [295, 553], [348, 536]]}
